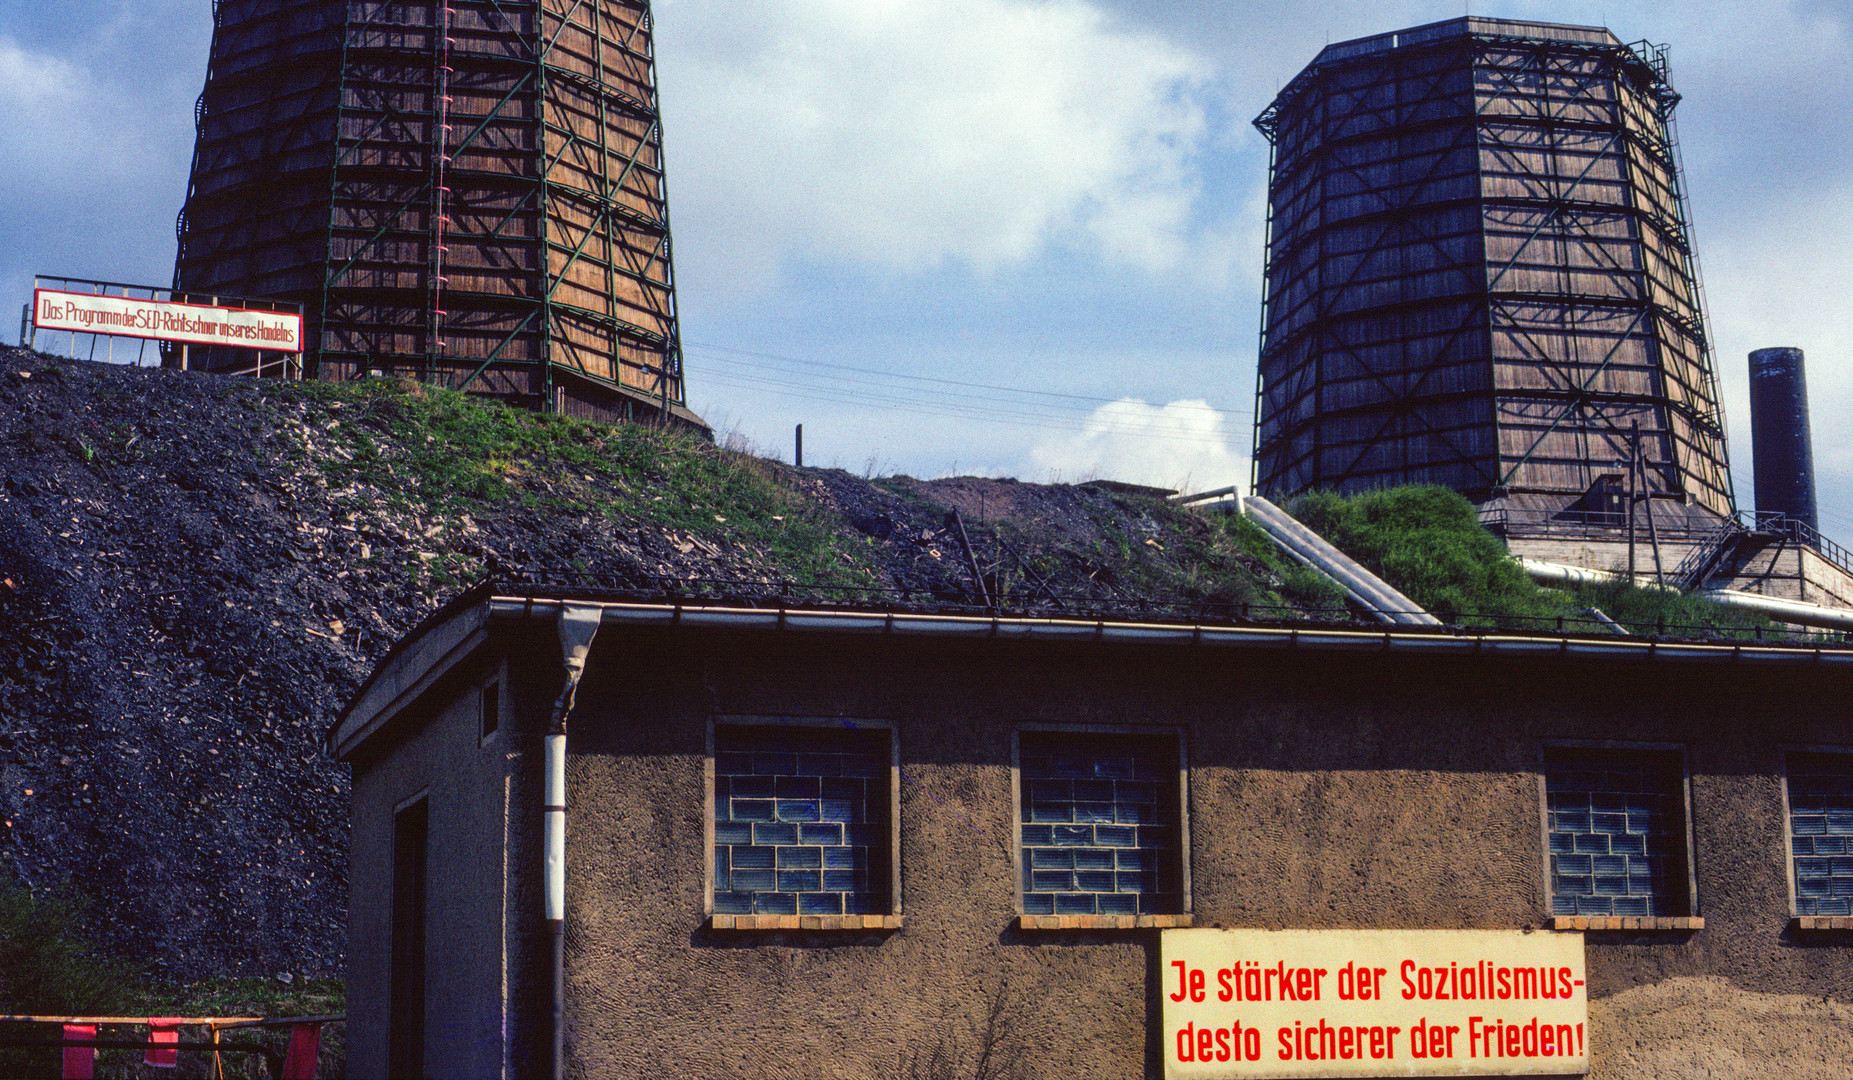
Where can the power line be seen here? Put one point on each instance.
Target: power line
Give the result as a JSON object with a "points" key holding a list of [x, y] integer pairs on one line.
{"points": [[984, 410], [963, 386], [954, 410]]}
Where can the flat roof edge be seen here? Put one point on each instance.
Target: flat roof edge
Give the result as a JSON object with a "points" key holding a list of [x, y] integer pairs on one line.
{"points": [[403, 675], [1464, 26], [1429, 34], [450, 638], [1024, 628]]}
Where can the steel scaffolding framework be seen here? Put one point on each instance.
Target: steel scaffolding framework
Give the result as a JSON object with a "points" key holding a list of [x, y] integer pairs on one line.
{"points": [[469, 192], [1480, 275]]}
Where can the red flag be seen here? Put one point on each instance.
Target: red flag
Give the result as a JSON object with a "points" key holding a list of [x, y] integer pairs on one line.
{"points": [[305, 1043], [162, 1029], [80, 1061]]}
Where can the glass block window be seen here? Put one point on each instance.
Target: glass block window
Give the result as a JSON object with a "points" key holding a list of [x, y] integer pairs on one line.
{"points": [[1100, 824], [1821, 832], [1617, 832], [801, 821]]}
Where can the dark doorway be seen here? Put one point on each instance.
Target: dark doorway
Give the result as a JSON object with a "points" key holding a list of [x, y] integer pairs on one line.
{"points": [[406, 1023]]}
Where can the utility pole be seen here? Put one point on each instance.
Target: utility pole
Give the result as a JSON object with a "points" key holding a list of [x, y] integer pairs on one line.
{"points": [[1634, 457], [798, 457], [1647, 493]]}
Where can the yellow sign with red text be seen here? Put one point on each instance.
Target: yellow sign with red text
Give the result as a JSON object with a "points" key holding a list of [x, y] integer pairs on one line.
{"points": [[1289, 1003]]}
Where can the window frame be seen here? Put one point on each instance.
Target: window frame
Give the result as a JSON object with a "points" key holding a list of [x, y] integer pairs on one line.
{"points": [[888, 920], [1681, 758], [1183, 917], [1797, 920], [494, 679]]}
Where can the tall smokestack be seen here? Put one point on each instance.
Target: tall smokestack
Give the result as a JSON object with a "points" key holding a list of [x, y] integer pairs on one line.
{"points": [[1783, 448]]}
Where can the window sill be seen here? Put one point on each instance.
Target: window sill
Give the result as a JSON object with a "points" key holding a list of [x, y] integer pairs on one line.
{"points": [[1650, 923], [1101, 922], [804, 922], [1806, 923]]}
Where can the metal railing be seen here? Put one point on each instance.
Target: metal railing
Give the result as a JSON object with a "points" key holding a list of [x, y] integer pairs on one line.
{"points": [[1591, 524], [1799, 532], [1707, 533], [76, 1040]]}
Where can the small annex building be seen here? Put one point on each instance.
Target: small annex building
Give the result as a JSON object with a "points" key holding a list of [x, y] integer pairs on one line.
{"points": [[820, 843]]}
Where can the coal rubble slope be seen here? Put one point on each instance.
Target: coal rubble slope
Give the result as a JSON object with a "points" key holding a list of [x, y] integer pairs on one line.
{"points": [[196, 572]]}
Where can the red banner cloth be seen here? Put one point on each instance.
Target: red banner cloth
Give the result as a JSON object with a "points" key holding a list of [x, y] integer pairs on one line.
{"points": [[305, 1044], [80, 1062], [162, 1029]]}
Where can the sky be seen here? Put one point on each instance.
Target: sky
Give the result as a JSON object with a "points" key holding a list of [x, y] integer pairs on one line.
{"points": [[1001, 237]]}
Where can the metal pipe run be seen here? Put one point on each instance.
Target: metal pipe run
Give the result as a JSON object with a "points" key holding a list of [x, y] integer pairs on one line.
{"points": [[1203, 496], [1798, 612], [1370, 591], [1560, 574]]}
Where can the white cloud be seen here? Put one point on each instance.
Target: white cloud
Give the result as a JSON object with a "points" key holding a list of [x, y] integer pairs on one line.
{"points": [[1183, 445], [1782, 278], [30, 81], [94, 171], [55, 118], [905, 134]]}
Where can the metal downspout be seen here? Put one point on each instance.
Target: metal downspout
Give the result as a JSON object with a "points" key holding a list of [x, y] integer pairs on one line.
{"points": [[578, 625]]}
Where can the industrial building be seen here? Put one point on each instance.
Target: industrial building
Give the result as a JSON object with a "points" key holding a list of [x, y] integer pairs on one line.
{"points": [[608, 836], [465, 192], [1480, 274]]}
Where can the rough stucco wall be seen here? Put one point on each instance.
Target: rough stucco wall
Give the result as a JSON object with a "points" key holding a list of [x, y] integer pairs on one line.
{"points": [[1692, 1026], [694, 1002], [1313, 803], [1326, 791], [464, 972]]}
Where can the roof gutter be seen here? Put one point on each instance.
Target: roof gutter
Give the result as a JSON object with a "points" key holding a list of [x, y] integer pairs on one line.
{"points": [[1076, 630]]}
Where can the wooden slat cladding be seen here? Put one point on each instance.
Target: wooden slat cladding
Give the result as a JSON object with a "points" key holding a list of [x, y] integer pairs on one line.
{"points": [[1478, 272], [316, 179]]}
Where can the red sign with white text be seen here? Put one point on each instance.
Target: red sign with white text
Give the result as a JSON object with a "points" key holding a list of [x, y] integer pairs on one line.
{"points": [[165, 320]]}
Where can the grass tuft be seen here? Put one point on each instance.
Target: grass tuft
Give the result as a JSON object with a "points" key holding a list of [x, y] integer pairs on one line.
{"points": [[47, 964], [1429, 543], [441, 454]]}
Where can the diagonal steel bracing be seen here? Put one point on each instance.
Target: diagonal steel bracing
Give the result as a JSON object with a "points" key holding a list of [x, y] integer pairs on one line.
{"points": [[489, 204], [1559, 245]]}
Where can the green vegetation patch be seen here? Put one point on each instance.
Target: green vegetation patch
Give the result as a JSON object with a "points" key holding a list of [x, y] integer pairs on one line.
{"points": [[1429, 543], [1664, 611], [47, 965], [442, 453], [50, 967]]}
